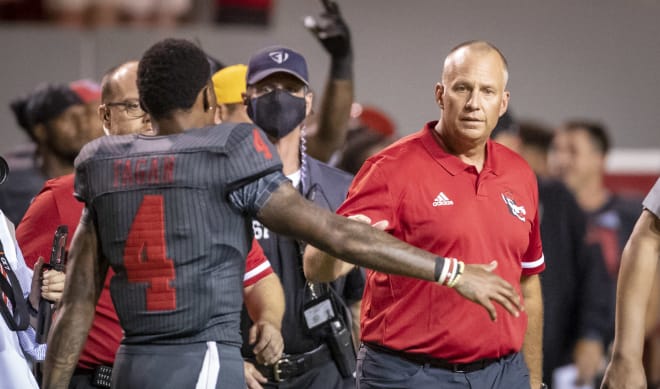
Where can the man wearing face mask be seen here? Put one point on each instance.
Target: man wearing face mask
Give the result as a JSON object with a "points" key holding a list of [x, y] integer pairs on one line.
{"points": [[278, 100]]}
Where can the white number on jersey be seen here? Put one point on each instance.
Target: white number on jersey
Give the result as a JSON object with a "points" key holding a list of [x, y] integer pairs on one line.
{"points": [[260, 232]]}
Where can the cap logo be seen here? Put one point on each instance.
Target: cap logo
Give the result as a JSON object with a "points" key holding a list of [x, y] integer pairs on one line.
{"points": [[279, 56]]}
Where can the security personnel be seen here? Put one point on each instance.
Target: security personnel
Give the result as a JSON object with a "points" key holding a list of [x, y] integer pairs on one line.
{"points": [[316, 326]]}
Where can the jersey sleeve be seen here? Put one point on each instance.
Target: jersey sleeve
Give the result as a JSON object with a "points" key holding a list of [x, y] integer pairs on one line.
{"points": [[249, 198], [652, 200], [81, 165], [370, 195], [81, 183], [257, 265], [250, 156], [35, 231], [533, 262], [55, 205]]}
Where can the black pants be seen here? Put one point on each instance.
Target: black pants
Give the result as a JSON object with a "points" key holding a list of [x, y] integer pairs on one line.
{"points": [[82, 381], [379, 370], [326, 376]]}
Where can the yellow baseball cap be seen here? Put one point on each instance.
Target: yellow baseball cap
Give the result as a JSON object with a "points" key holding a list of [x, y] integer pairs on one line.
{"points": [[229, 84]]}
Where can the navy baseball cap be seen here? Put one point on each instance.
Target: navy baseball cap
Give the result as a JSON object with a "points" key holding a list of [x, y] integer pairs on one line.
{"points": [[276, 59]]}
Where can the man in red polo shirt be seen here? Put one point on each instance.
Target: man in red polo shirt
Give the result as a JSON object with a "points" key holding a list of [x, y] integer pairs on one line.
{"points": [[450, 190]]}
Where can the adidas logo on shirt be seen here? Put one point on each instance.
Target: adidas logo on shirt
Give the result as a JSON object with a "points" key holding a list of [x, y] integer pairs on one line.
{"points": [[442, 199]]}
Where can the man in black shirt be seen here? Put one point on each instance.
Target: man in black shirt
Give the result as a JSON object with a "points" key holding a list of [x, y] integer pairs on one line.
{"points": [[277, 90], [577, 291]]}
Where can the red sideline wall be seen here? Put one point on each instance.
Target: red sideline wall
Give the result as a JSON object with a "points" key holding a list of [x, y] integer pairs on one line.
{"points": [[632, 171], [633, 183]]}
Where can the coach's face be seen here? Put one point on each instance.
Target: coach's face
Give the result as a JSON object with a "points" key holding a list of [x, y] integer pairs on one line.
{"points": [[472, 95], [122, 114]]}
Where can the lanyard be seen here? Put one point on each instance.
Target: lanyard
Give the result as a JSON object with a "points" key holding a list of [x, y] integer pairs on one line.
{"points": [[18, 320]]}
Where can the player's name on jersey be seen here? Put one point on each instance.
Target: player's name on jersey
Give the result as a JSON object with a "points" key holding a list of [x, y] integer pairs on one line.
{"points": [[143, 171]]}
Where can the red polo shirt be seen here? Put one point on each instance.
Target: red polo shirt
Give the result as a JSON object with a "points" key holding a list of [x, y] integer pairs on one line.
{"points": [[56, 205], [434, 201]]}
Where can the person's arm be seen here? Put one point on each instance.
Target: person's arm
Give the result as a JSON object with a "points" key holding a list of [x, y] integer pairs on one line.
{"points": [[48, 285], [595, 314], [264, 302], [265, 305], [636, 276], [333, 117], [533, 343], [337, 98], [355, 322], [84, 281], [594, 294], [319, 266], [287, 213]]}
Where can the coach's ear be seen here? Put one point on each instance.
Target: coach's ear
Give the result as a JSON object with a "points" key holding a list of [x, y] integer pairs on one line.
{"points": [[104, 116], [439, 91]]}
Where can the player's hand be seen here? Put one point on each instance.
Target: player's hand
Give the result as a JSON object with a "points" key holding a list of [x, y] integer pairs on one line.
{"points": [[480, 285], [253, 378], [588, 357], [268, 342], [624, 373], [49, 284], [380, 225], [331, 30]]}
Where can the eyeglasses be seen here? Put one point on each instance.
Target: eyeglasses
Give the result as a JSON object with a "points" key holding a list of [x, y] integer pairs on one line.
{"points": [[132, 108]]}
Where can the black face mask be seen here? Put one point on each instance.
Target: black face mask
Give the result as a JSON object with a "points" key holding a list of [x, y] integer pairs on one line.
{"points": [[277, 112]]}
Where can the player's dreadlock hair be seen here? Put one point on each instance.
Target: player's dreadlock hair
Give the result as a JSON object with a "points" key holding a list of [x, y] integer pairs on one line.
{"points": [[170, 75]]}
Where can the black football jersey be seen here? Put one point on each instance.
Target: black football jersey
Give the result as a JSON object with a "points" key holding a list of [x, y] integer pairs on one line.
{"points": [[170, 230]]}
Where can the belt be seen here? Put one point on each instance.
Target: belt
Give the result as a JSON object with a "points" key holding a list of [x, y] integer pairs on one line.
{"points": [[290, 366], [420, 359], [100, 376]]}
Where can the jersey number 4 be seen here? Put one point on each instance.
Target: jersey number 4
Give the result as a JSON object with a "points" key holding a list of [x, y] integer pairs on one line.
{"points": [[145, 255]]}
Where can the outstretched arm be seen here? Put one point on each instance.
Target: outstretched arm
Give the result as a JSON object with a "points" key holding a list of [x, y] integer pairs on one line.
{"points": [[84, 281], [321, 267], [287, 213], [636, 276]]}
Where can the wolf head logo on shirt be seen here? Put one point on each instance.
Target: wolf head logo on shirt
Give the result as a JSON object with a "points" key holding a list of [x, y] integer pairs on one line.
{"points": [[515, 209]]}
